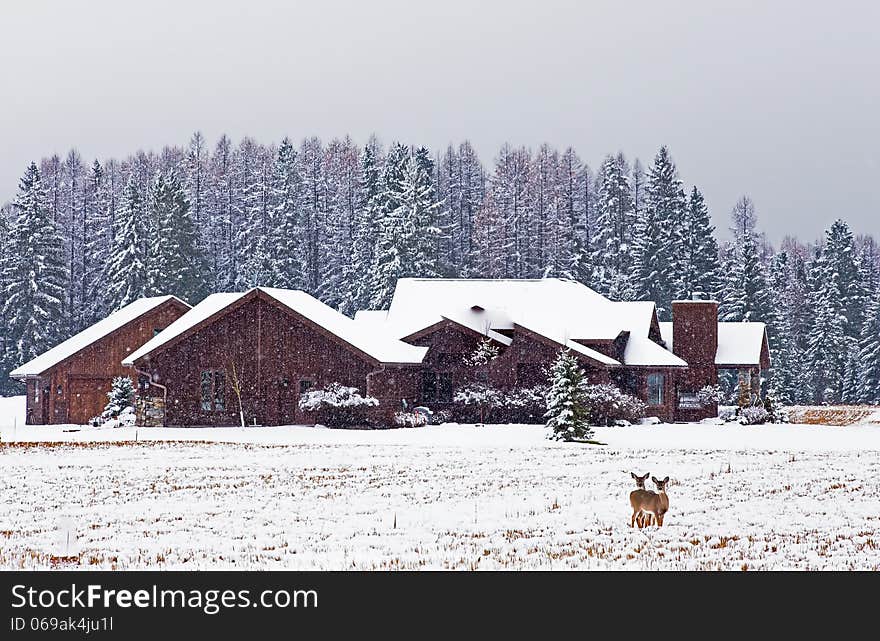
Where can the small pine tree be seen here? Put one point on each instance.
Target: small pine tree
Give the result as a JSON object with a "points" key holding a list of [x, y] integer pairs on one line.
{"points": [[485, 351], [566, 409], [120, 396], [869, 355]]}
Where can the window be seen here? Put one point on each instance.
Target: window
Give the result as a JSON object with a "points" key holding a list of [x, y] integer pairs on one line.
{"points": [[157, 330], [655, 389], [429, 387], [206, 391], [36, 394], [304, 386], [59, 390], [213, 388], [444, 387], [689, 401], [219, 391]]}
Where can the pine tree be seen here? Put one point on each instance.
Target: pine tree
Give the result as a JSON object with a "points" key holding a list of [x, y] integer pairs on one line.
{"points": [[615, 221], [566, 410], [869, 354], [839, 257], [289, 245], [366, 231], [129, 267], [120, 396], [701, 271], [34, 275], [406, 227], [828, 345], [177, 263], [746, 294], [659, 242]]}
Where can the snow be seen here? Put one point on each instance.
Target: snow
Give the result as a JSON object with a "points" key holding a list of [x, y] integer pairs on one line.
{"points": [[370, 340], [447, 496], [563, 311], [451, 496], [738, 343], [90, 335]]}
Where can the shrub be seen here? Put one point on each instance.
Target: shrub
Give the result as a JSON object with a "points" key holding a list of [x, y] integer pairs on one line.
{"points": [[526, 405], [606, 404], [710, 394], [755, 415], [410, 419], [119, 398], [338, 405], [476, 401], [441, 416]]}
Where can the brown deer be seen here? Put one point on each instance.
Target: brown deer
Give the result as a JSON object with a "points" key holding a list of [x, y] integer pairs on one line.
{"points": [[637, 497], [649, 507], [664, 499]]}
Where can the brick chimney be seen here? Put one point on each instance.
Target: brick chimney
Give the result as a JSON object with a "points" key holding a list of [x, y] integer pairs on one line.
{"points": [[695, 331]]}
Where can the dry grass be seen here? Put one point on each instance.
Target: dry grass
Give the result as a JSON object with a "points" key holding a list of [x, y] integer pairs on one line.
{"points": [[836, 415]]}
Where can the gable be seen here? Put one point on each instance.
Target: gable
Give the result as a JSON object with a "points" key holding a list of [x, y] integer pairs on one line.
{"points": [[104, 330]]}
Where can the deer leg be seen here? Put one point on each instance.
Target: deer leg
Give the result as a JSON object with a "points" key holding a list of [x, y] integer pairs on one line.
{"points": [[632, 521]]}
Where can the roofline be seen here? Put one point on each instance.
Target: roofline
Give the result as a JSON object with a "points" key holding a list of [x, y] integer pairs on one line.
{"points": [[258, 292], [547, 339], [171, 299], [445, 319]]}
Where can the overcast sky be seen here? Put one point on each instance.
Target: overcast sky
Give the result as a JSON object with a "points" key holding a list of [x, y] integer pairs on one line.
{"points": [[775, 99]]}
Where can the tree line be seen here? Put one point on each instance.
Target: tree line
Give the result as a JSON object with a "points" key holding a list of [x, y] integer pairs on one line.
{"points": [[344, 222]]}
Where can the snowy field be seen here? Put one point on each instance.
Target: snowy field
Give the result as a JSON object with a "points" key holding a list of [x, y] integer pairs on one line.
{"points": [[460, 497]]}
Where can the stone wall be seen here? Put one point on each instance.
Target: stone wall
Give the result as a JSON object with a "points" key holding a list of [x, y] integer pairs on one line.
{"points": [[149, 411]]}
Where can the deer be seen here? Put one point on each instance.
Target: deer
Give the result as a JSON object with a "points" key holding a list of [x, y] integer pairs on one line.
{"points": [[637, 497], [664, 499], [649, 507]]}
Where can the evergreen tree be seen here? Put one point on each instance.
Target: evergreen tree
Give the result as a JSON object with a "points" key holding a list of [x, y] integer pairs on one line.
{"points": [[839, 258], [869, 354], [120, 396], [828, 345], [659, 243], [366, 228], [700, 269], [409, 209], [566, 409], [615, 221], [177, 263], [129, 266], [746, 295], [289, 244], [35, 277]]}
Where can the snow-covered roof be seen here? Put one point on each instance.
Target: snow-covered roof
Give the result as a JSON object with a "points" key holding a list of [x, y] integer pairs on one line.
{"points": [[373, 341], [738, 343], [562, 310], [90, 335]]}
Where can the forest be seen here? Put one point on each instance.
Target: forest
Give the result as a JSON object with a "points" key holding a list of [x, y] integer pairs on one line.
{"points": [[343, 222]]}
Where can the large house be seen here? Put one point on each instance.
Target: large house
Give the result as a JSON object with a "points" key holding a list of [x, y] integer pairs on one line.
{"points": [[254, 353], [69, 383]]}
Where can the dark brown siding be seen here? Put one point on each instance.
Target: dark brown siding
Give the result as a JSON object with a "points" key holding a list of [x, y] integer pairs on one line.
{"points": [[75, 390], [274, 350]]}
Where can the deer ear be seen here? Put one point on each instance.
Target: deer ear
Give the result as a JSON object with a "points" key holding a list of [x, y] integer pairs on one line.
{"points": [[653, 478], [633, 474], [666, 480]]}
